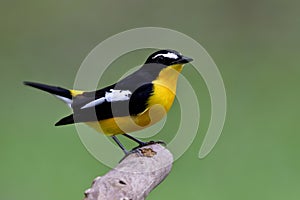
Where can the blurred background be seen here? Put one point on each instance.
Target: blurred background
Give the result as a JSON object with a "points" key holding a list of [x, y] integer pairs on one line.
{"points": [[255, 44]]}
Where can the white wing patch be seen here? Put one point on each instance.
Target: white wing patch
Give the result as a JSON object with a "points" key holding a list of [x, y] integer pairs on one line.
{"points": [[94, 103], [117, 95], [167, 55], [112, 96], [66, 100]]}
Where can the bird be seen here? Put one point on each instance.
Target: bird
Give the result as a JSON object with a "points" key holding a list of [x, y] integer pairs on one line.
{"points": [[135, 102]]}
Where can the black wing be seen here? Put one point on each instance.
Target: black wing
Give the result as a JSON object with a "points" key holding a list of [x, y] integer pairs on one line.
{"points": [[136, 104]]}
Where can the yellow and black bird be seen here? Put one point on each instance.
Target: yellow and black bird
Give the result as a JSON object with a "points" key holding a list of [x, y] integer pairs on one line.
{"points": [[131, 104]]}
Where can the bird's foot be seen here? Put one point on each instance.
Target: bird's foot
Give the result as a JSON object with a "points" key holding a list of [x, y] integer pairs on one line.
{"points": [[149, 143], [137, 150]]}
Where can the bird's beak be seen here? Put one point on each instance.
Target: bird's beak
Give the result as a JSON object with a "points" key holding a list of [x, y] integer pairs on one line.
{"points": [[183, 60], [186, 59]]}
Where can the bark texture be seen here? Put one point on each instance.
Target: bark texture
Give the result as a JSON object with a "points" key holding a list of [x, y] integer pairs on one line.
{"points": [[134, 177]]}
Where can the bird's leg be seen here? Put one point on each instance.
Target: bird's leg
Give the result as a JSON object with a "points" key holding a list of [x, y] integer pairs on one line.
{"points": [[120, 145], [136, 149], [141, 143], [126, 152]]}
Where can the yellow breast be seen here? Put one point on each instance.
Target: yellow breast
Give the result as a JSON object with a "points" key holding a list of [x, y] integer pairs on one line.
{"points": [[165, 85]]}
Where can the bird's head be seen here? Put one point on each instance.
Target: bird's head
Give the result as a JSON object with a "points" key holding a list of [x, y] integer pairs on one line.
{"points": [[165, 66], [167, 58]]}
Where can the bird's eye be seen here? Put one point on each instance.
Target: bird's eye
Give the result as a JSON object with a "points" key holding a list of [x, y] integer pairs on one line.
{"points": [[160, 58]]}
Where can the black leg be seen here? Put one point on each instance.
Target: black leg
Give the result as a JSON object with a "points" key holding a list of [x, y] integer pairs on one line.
{"points": [[141, 143], [120, 144]]}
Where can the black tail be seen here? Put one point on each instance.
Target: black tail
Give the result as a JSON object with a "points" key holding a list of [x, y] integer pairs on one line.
{"points": [[61, 93], [51, 89], [66, 120]]}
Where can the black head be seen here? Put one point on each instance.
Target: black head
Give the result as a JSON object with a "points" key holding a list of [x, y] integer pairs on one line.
{"points": [[167, 57]]}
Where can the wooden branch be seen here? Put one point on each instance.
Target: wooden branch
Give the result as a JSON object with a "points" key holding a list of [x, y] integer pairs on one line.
{"points": [[134, 177]]}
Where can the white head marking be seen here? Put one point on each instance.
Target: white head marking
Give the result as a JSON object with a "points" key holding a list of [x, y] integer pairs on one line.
{"points": [[166, 55]]}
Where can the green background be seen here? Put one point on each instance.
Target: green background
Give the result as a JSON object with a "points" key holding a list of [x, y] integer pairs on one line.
{"points": [[255, 45]]}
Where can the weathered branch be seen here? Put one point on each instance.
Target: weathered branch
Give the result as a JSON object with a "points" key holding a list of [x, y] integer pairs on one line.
{"points": [[134, 177]]}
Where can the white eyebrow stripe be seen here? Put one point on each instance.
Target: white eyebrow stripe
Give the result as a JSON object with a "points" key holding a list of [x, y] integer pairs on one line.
{"points": [[167, 55], [112, 96]]}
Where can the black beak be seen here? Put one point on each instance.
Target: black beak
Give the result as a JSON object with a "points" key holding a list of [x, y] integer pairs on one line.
{"points": [[183, 60]]}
